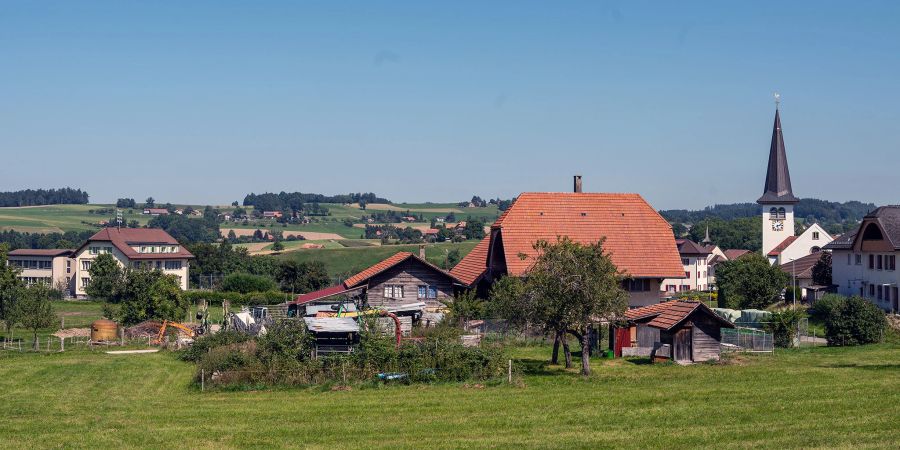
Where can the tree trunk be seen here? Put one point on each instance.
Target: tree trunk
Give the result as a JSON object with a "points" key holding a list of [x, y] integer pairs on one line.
{"points": [[585, 353], [566, 351], [35, 343], [555, 358], [578, 337]]}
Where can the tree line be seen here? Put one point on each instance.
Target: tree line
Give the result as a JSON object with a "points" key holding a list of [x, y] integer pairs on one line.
{"points": [[70, 239], [298, 201], [38, 197], [835, 217]]}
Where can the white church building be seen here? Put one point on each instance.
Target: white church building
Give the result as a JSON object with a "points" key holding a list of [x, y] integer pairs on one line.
{"points": [[780, 244]]}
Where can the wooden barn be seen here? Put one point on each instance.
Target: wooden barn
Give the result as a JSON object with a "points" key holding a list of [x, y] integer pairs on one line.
{"points": [[401, 279], [680, 330]]}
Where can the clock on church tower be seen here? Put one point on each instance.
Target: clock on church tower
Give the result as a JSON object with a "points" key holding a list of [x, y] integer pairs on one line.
{"points": [[778, 198]]}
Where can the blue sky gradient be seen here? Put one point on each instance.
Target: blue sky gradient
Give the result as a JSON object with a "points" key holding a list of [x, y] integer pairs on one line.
{"points": [[205, 101]]}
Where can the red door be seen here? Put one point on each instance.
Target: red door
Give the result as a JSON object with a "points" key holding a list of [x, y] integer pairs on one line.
{"points": [[622, 339]]}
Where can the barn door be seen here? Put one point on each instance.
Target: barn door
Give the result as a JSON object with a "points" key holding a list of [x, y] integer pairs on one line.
{"points": [[622, 339], [682, 343]]}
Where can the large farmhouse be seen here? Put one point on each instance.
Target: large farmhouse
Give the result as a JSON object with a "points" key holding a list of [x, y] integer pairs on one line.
{"points": [[149, 248], [640, 242]]}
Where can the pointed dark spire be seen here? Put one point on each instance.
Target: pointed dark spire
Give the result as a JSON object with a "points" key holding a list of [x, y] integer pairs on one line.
{"points": [[778, 178]]}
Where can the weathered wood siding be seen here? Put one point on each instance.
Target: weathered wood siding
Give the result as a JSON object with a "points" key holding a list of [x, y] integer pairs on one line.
{"points": [[410, 274], [707, 335], [647, 336]]}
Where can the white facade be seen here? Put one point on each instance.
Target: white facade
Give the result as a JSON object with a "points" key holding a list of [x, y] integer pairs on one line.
{"points": [[865, 263], [86, 255], [812, 240], [696, 275], [777, 225], [56, 271]]}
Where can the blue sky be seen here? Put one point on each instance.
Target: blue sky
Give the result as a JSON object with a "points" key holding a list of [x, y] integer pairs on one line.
{"points": [[207, 101]]}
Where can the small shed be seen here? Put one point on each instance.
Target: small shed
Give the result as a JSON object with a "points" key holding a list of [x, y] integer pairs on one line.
{"points": [[682, 330]]}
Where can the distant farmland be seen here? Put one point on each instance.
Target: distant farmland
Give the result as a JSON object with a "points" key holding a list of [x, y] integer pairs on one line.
{"points": [[343, 261]]}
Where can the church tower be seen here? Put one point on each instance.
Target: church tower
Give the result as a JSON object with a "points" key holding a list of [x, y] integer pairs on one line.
{"points": [[778, 199]]}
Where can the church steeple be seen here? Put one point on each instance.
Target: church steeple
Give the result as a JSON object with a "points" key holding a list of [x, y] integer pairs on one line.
{"points": [[777, 189]]}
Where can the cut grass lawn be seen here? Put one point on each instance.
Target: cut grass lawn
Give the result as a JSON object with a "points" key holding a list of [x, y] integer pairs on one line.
{"points": [[343, 261], [822, 397]]}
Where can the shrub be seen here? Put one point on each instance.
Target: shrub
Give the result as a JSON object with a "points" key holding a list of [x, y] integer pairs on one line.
{"points": [[245, 283], [857, 321], [783, 326], [824, 307], [204, 344]]}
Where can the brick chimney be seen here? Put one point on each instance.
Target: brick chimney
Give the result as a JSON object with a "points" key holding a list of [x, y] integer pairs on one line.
{"points": [[578, 184], [422, 251]]}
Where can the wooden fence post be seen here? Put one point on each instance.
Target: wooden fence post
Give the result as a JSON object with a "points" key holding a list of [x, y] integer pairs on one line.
{"points": [[202, 380], [509, 372]]}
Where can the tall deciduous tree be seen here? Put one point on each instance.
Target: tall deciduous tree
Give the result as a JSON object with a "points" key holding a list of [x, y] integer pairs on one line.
{"points": [[749, 282], [150, 294], [570, 287], [9, 285], [106, 278], [33, 310], [821, 272]]}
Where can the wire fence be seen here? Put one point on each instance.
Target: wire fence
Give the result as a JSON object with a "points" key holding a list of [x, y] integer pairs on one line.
{"points": [[747, 340]]}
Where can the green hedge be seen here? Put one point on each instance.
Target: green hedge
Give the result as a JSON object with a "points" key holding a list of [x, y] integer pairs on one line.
{"points": [[238, 299]]}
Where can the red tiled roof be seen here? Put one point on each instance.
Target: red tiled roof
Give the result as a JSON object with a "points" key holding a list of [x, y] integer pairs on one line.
{"points": [[783, 245], [386, 264], [669, 314], [802, 266], [303, 299], [638, 239], [735, 253], [41, 252], [124, 238], [474, 264]]}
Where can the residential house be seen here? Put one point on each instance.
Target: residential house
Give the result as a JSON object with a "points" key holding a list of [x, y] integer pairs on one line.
{"points": [[272, 214], [156, 211], [132, 247], [695, 260], [53, 267], [801, 272], [638, 239], [864, 261]]}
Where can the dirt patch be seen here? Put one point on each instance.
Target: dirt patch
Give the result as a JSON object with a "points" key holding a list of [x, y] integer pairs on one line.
{"points": [[73, 332]]}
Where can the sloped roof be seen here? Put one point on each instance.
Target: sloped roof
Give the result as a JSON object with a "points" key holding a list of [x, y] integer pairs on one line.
{"points": [[124, 238], [638, 239], [310, 297], [391, 261], [474, 264], [802, 266], [735, 253], [783, 245], [41, 252], [667, 315], [689, 247], [777, 188], [842, 242], [886, 217]]}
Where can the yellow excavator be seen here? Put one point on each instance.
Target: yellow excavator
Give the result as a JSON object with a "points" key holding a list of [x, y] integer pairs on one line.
{"points": [[162, 331]]}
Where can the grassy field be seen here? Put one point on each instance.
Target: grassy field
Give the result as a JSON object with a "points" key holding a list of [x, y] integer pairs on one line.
{"points": [[58, 218], [811, 398], [342, 261]]}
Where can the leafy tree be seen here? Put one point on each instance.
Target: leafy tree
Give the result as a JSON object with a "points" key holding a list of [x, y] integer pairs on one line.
{"points": [[569, 287], [235, 203], [232, 236], [278, 246], [452, 259], [749, 282], [855, 321], [9, 286], [506, 299], [301, 277], [126, 203], [33, 309], [821, 272], [245, 283], [149, 203], [150, 295], [464, 307], [34, 197], [106, 278], [186, 230]]}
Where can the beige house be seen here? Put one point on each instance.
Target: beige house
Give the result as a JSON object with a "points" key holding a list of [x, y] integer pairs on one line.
{"points": [[53, 267], [148, 248]]}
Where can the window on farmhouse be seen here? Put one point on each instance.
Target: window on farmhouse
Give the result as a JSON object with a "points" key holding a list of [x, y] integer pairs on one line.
{"points": [[880, 290], [85, 265], [871, 290], [880, 263], [393, 291], [891, 262], [685, 261], [173, 265], [858, 259], [871, 261], [815, 235]]}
